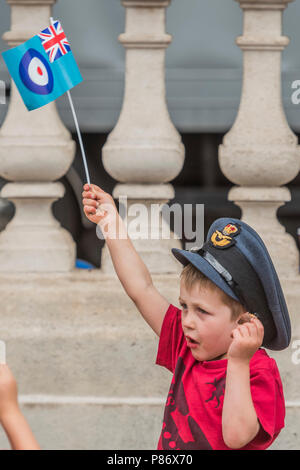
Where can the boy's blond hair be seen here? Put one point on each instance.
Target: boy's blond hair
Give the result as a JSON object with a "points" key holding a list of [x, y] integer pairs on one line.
{"points": [[191, 276]]}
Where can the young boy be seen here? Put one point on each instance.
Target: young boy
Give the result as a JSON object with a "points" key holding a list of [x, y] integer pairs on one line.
{"points": [[12, 420], [226, 392]]}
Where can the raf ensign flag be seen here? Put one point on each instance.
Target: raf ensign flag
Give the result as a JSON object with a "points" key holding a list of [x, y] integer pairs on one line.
{"points": [[43, 68]]}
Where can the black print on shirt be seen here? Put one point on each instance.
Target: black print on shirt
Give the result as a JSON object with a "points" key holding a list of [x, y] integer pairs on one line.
{"points": [[219, 390], [177, 417]]}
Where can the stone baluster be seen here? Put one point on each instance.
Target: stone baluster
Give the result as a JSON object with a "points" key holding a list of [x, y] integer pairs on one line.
{"points": [[144, 151], [260, 153], [35, 150]]}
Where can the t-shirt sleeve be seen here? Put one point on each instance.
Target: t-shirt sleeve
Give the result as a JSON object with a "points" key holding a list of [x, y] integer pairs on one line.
{"points": [[171, 339], [268, 401]]}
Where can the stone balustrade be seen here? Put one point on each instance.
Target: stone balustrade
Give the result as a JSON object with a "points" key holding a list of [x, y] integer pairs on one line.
{"points": [[35, 150]]}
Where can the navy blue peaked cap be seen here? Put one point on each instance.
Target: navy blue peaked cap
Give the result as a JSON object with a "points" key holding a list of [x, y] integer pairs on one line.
{"points": [[235, 258]]}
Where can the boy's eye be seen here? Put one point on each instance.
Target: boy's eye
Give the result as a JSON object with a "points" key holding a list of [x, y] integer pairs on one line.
{"points": [[202, 311], [184, 307]]}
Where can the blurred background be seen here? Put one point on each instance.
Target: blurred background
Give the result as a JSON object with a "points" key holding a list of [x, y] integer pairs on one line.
{"points": [[203, 85]]}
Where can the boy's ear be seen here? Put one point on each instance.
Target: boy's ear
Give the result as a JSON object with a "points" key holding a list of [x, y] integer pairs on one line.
{"points": [[245, 317]]}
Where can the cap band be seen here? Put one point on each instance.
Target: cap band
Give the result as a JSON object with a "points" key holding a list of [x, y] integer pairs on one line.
{"points": [[218, 267], [225, 274]]}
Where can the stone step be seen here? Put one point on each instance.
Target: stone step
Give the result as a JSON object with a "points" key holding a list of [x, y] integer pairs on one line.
{"points": [[78, 337], [93, 427], [124, 427], [84, 360]]}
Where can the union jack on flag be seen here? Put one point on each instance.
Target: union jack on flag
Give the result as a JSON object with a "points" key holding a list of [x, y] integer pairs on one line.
{"points": [[54, 41]]}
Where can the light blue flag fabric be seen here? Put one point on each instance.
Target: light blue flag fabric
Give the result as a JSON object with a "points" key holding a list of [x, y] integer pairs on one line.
{"points": [[43, 68]]}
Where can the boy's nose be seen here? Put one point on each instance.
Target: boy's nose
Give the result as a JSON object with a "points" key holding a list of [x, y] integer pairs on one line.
{"points": [[188, 321]]}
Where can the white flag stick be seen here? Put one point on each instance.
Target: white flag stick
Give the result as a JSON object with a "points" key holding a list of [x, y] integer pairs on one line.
{"points": [[77, 129], [79, 138]]}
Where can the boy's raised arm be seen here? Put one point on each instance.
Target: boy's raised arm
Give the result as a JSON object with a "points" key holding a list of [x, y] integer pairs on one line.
{"points": [[99, 207]]}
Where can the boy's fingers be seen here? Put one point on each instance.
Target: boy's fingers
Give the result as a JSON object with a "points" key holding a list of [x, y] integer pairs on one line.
{"points": [[243, 330], [90, 202], [89, 210], [252, 331], [235, 333], [259, 326], [251, 327], [92, 187], [88, 194], [96, 188]]}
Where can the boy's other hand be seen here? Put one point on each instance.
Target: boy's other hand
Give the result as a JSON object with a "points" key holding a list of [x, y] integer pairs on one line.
{"points": [[247, 338], [8, 391], [95, 202]]}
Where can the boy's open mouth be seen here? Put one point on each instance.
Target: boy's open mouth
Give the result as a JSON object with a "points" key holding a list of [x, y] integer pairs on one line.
{"points": [[191, 342]]}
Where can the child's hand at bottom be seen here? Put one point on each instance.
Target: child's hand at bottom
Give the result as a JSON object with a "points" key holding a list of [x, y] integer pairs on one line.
{"points": [[8, 391], [247, 338], [11, 418]]}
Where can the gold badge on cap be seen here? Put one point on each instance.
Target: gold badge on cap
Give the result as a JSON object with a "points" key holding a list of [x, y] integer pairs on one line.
{"points": [[224, 238]]}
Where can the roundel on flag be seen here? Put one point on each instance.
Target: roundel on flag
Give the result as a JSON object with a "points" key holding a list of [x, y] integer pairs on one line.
{"points": [[36, 73]]}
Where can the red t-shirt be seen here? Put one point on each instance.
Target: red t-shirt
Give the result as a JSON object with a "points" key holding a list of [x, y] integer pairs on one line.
{"points": [[193, 411]]}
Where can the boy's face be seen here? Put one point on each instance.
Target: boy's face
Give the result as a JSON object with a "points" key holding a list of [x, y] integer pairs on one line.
{"points": [[206, 322]]}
